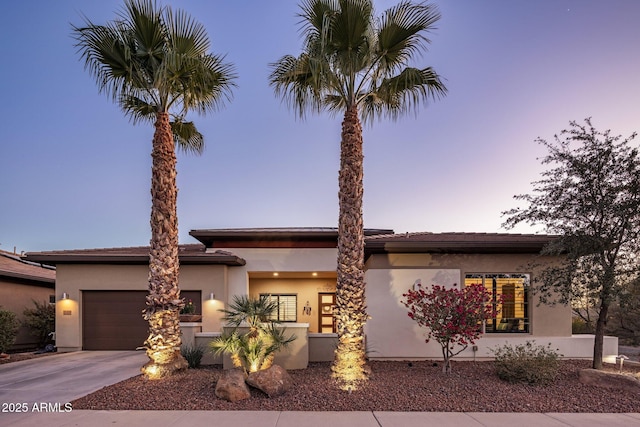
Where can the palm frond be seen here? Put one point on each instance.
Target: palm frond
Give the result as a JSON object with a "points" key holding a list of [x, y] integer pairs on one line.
{"points": [[187, 137], [152, 59], [106, 56], [138, 108], [402, 93], [298, 81], [401, 33], [350, 27], [278, 339], [350, 58], [315, 18], [252, 311], [187, 36]]}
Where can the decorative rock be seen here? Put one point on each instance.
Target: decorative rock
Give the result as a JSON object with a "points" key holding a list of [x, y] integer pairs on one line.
{"points": [[610, 380], [231, 385], [273, 381]]}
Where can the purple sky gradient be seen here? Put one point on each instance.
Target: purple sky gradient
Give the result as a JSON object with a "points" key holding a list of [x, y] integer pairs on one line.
{"points": [[76, 173]]}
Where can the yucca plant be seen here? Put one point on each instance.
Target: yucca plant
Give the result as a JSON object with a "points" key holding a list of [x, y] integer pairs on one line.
{"points": [[255, 349]]}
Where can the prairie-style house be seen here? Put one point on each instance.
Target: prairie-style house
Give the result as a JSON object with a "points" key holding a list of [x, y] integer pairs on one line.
{"points": [[104, 290]]}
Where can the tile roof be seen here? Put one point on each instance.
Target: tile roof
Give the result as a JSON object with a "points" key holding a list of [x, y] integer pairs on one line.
{"points": [[14, 266], [188, 254]]}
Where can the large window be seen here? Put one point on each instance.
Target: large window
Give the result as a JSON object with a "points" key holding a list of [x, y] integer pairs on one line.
{"points": [[509, 296], [287, 307]]}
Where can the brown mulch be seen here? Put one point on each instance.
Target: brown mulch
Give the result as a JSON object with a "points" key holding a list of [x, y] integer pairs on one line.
{"points": [[393, 386]]}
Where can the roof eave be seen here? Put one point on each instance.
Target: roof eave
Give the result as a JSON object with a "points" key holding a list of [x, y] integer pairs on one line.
{"points": [[28, 277], [209, 236], [453, 247], [54, 259]]}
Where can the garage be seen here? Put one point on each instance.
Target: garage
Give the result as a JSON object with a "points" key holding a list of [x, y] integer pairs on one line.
{"points": [[112, 320]]}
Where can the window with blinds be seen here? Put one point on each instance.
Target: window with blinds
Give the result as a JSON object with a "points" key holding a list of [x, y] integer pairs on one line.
{"points": [[509, 295], [287, 307]]}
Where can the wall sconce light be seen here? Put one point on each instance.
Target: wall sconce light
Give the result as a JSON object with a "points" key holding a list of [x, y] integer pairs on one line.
{"points": [[65, 296], [212, 296]]}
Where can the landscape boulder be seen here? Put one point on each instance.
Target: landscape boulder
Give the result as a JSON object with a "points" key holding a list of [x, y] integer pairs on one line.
{"points": [[611, 380], [273, 381], [231, 386]]}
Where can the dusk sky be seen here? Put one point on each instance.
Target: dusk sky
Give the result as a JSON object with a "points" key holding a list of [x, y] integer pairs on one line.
{"points": [[76, 173]]}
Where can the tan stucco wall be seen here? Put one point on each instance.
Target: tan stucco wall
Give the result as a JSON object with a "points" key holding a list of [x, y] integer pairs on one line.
{"points": [[280, 260], [15, 297], [306, 289], [390, 333], [73, 279], [389, 276]]}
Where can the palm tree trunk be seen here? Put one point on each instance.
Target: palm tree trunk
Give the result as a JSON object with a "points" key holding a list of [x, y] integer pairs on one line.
{"points": [[163, 300], [349, 365]]}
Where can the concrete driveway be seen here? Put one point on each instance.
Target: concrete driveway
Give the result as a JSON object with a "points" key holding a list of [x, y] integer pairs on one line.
{"points": [[58, 379]]}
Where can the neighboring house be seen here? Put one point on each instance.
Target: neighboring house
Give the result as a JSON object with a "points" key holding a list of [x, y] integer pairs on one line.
{"points": [[297, 267], [21, 283]]}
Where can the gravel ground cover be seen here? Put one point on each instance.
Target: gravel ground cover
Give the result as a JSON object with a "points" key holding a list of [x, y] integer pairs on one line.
{"points": [[393, 386], [17, 357]]}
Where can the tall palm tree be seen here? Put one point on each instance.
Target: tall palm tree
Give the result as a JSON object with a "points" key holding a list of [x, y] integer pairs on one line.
{"points": [[155, 64], [357, 64]]}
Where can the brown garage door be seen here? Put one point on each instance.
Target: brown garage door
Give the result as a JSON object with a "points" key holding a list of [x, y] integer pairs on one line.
{"points": [[112, 320]]}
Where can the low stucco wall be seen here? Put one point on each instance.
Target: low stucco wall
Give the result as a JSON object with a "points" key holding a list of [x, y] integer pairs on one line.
{"points": [[203, 339], [295, 356], [573, 347], [322, 347]]}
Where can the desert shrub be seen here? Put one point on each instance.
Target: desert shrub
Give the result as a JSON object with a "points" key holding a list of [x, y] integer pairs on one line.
{"points": [[527, 363], [255, 349], [193, 354], [579, 326], [450, 316], [41, 321], [8, 329]]}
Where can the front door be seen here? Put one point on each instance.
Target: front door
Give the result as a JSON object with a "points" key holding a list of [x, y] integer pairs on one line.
{"points": [[326, 320]]}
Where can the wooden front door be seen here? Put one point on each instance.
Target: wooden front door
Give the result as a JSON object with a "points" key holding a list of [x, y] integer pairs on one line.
{"points": [[326, 320]]}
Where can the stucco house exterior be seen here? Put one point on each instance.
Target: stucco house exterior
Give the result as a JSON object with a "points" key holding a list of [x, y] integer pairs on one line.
{"points": [[106, 288], [21, 283]]}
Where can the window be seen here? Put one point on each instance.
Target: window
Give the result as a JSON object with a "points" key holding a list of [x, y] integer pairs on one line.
{"points": [[287, 307], [509, 296]]}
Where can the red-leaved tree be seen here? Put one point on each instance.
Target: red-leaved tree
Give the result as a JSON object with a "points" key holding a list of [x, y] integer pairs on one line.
{"points": [[453, 317]]}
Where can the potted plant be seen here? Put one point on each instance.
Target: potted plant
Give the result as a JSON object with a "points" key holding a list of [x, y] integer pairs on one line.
{"points": [[188, 313]]}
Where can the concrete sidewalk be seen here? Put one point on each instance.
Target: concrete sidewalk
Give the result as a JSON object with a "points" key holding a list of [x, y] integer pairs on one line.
{"points": [[318, 419]]}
